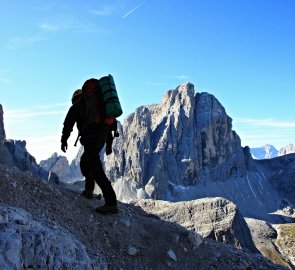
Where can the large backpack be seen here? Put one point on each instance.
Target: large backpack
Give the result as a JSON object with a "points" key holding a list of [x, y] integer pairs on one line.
{"points": [[100, 101]]}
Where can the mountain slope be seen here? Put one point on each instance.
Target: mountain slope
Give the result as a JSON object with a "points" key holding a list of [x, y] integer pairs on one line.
{"points": [[133, 239]]}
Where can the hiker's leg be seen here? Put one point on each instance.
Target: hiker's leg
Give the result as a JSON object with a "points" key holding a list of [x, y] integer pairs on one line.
{"points": [[92, 149], [85, 170]]}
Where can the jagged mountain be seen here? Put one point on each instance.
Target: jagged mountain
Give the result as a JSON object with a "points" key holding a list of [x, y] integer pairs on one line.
{"points": [[184, 148], [185, 140], [61, 167], [14, 153], [288, 149], [269, 151], [265, 152]]}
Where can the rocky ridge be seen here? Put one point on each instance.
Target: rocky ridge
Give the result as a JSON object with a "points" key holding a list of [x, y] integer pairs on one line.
{"points": [[268, 151], [220, 219], [288, 149], [133, 239], [14, 153], [61, 167], [265, 152]]}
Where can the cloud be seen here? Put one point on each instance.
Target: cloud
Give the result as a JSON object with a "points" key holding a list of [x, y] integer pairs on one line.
{"points": [[5, 80], [22, 114], [266, 122], [132, 10], [104, 11], [182, 77], [64, 22], [60, 22], [49, 106], [19, 42]]}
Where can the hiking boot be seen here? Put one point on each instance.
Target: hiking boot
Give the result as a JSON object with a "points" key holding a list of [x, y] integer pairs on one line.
{"points": [[88, 194], [107, 209]]}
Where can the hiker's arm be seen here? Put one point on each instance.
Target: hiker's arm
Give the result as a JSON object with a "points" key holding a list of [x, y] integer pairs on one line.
{"points": [[68, 127]]}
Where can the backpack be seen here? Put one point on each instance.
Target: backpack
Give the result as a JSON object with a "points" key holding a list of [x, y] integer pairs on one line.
{"points": [[100, 103], [110, 96], [100, 100]]}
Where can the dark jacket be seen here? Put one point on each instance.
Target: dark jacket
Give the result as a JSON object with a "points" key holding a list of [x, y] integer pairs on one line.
{"points": [[87, 132]]}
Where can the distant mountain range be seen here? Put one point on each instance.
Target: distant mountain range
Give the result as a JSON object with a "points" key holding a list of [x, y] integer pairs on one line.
{"points": [[268, 151]]}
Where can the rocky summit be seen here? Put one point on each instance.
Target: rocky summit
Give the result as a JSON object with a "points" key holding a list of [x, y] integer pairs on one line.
{"points": [[184, 141], [13, 153]]}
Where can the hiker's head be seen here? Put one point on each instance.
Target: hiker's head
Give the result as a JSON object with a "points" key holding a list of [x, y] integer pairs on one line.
{"points": [[76, 96]]}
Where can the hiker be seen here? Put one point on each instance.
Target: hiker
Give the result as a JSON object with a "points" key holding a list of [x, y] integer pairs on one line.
{"points": [[93, 137]]}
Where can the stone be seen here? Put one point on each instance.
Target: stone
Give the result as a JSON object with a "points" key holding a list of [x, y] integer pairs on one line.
{"points": [[24, 242], [132, 251], [171, 255]]}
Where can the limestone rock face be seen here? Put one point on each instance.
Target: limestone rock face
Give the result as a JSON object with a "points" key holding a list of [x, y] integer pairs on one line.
{"points": [[25, 243], [60, 166], [289, 149], [265, 152], [281, 173], [215, 218], [2, 130], [184, 140], [14, 153]]}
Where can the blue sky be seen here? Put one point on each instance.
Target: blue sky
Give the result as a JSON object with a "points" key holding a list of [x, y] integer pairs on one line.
{"points": [[241, 51]]}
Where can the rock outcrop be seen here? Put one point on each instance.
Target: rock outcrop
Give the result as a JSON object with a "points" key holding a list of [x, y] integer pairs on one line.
{"points": [[60, 166], [2, 130], [132, 239], [185, 140], [215, 218], [14, 153], [288, 149], [25, 243]]}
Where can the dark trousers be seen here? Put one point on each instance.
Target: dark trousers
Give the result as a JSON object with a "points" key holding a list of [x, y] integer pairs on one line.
{"points": [[93, 171]]}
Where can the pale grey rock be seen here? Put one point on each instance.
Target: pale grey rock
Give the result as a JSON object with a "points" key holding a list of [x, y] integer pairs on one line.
{"points": [[171, 255], [265, 237], [132, 251], [61, 167], [53, 178], [75, 165], [288, 149], [280, 172], [13, 153], [25, 243], [49, 163], [107, 239], [185, 140], [2, 130], [265, 152], [215, 218], [285, 242]]}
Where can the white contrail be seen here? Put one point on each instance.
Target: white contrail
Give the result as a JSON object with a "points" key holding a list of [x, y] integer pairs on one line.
{"points": [[129, 12]]}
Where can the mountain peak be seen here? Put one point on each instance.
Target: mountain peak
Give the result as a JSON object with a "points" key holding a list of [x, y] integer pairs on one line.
{"points": [[2, 130]]}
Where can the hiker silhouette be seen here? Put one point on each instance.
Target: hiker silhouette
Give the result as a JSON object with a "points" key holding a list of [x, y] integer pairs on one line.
{"points": [[93, 134]]}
